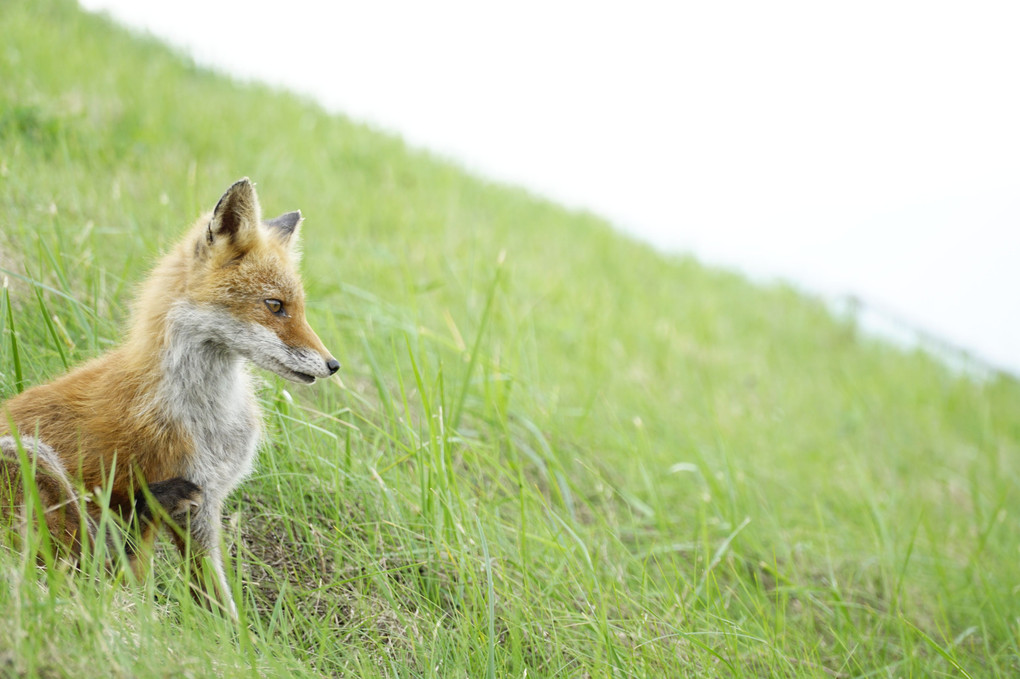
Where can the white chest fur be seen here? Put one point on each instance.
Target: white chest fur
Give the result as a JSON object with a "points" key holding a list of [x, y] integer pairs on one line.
{"points": [[207, 389]]}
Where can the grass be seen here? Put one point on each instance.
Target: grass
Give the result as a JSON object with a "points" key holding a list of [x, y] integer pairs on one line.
{"points": [[552, 452]]}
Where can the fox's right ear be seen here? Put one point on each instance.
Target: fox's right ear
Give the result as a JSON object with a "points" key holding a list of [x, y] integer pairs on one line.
{"points": [[284, 227], [235, 220]]}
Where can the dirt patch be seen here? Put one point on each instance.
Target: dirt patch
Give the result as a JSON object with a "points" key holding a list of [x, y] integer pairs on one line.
{"points": [[353, 600]]}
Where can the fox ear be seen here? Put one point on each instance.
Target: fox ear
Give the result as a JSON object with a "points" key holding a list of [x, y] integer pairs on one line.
{"points": [[284, 228], [236, 215]]}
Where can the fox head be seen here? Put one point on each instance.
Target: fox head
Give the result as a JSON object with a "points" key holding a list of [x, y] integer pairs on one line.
{"points": [[241, 290]]}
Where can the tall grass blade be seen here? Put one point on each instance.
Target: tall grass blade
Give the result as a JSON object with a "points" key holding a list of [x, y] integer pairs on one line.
{"points": [[19, 378], [57, 344], [476, 346], [949, 657], [490, 603]]}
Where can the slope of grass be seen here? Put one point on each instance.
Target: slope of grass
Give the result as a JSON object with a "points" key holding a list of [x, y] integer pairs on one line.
{"points": [[552, 451]]}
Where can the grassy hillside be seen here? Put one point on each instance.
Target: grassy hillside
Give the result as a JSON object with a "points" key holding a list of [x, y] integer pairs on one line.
{"points": [[552, 452]]}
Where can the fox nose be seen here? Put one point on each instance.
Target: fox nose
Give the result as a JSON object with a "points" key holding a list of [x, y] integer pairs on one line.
{"points": [[333, 365]]}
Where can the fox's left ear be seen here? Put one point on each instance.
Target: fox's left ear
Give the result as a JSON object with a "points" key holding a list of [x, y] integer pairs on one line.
{"points": [[284, 228], [236, 217]]}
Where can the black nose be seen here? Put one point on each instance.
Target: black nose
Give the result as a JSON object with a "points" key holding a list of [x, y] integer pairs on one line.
{"points": [[333, 365]]}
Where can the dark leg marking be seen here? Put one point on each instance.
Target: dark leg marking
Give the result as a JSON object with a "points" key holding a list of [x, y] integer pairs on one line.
{"points": [[177, 497]]}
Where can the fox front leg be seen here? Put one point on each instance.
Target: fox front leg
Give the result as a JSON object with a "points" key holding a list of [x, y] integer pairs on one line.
{"points": [[205, 559]]}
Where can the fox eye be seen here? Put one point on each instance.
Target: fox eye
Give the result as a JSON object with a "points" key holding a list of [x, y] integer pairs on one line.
{"points": [[275, 306]]}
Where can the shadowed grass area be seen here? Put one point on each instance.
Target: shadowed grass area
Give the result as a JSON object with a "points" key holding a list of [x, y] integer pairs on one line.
{"points": [[551, 450]]}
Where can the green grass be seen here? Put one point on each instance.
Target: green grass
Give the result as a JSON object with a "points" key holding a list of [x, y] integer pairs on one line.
{"points": [[552, 452]]}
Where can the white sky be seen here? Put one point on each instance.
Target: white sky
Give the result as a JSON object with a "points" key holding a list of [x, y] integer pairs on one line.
{"points": [[867, 148]]}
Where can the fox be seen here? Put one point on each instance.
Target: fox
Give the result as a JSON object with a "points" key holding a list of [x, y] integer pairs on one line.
{"points": [[168, 421]]}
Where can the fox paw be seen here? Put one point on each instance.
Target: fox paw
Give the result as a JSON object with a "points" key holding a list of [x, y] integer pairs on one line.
{"points": [[177, 496]]}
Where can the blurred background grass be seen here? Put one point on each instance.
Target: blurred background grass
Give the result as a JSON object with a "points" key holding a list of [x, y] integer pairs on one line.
{"points": [[552, 449]]}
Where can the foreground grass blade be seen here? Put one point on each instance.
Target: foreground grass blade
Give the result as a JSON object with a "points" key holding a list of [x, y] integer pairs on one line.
{"points": [[57, 344], [12, 333], [476, 345]]}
